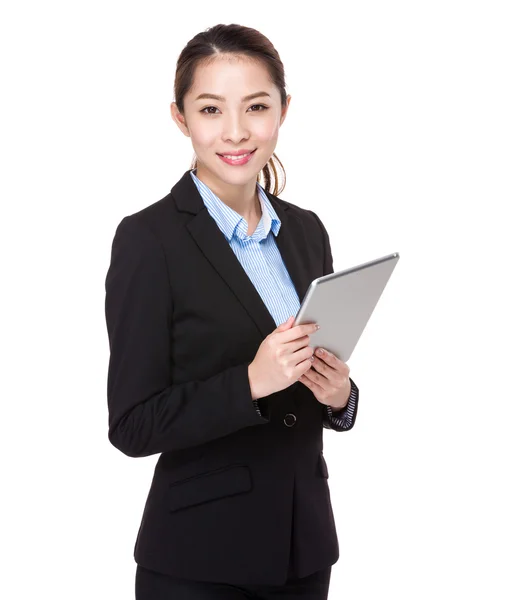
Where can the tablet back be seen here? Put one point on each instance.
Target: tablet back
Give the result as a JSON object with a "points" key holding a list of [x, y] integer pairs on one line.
{"points": [[342, 303]]}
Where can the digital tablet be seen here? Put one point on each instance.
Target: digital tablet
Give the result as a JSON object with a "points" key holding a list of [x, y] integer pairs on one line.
{"points": [[342, 303]]}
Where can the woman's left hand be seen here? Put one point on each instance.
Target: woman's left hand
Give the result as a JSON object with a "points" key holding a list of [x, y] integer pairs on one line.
{"points": [[329, 381]]}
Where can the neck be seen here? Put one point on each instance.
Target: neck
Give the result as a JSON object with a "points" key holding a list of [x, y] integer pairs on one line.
{"points": [[241, 198]]}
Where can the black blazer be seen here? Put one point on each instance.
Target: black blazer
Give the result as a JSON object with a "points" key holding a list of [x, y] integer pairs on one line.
{"points": [[184, 321]]}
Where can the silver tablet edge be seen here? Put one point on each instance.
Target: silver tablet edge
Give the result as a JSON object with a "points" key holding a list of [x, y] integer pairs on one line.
{"points": [[315, 282]]}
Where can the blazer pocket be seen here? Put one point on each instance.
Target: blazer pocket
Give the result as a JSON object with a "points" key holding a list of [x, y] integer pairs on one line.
{"points": [[227, 481], [322, 467]]}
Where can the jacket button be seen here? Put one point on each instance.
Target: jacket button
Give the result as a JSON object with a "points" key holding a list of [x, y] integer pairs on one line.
{"points": [[290, 419]]}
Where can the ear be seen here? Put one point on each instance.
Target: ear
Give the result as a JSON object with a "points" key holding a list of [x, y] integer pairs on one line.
{"points": [[285, 110], [179, 119]]}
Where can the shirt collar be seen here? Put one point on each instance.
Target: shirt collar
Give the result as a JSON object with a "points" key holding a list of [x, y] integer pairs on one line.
{"points": [[232, 223]]}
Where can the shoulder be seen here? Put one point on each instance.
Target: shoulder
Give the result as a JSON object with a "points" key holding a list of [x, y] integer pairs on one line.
{"points": [[151, 223], [152, 215]]}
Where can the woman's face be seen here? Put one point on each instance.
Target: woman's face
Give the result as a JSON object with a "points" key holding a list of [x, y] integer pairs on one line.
{"points": [[230, 122]]}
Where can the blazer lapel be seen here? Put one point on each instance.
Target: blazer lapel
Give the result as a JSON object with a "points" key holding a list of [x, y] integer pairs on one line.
{"points": [[291, 242]]}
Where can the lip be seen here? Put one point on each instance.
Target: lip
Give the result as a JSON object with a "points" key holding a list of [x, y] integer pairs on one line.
{"points": [[235, 162], [236, 152]]}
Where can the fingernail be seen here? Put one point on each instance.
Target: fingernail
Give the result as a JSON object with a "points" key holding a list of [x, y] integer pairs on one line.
{"points": [[320, 351]]}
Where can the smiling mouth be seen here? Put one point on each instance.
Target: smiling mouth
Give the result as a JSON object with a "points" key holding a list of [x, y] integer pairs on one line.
{"points": [[236, 157], [239, 160]]}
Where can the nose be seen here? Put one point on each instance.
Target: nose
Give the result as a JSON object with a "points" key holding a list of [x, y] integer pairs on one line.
{"points": [[234, 128]]}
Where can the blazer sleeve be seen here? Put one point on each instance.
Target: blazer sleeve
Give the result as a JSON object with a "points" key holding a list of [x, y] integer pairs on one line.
{"points": [[342, 419], [147, 413]]}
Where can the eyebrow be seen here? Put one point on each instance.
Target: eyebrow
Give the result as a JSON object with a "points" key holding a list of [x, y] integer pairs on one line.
{"points": [[222, 99]]}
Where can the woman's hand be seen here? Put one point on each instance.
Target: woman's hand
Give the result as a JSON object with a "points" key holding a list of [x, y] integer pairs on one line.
{"points": [[329, 381], [283, 356]]}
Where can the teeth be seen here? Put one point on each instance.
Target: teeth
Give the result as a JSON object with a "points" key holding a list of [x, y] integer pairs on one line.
{"points": [[236, 157]]}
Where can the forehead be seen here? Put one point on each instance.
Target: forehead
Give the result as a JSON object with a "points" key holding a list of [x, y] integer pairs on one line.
{"points": [[231, 76]]}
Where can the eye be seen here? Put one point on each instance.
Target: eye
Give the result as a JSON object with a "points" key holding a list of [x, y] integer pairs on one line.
{"points": [[206, 108], [262, 106]]}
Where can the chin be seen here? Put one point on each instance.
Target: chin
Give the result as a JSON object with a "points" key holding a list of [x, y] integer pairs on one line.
{"points": [[239, 174], [238, 179], [234, 175]]}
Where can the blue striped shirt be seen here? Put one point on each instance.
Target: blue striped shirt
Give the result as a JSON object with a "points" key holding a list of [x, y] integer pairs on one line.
{"points": [[260, 257]]}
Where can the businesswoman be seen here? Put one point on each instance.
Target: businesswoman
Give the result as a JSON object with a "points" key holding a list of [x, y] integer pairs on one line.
{"points": [[206, 367]]}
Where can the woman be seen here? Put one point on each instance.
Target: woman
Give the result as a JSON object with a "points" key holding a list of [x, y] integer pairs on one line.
{"points": [[206, 367]]}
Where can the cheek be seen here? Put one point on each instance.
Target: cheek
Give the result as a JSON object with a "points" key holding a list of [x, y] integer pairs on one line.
{"points": [[204, 135], [267, 131], [203, 139]]}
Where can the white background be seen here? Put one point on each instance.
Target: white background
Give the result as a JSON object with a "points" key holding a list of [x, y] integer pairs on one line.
{"points": [[396, 138]]}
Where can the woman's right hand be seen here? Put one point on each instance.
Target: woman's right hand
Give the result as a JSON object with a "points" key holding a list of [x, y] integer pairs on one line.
{"points": [[283, 356]]}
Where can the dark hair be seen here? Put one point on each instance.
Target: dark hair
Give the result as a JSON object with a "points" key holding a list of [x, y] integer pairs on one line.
{"points": [[233, 39]]}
